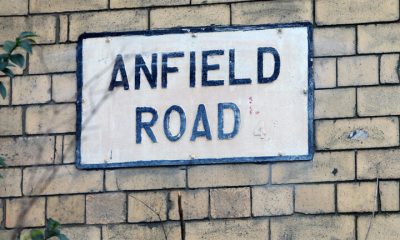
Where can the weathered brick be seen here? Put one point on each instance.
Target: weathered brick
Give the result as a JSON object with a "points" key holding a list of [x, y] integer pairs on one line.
{"points": [[389, 195], [228, 175], [66, 209], [334, 41], [64, 23], [145, 178], [64, 88], [52, 58], [378, 38], [360, 11], [359, 70], [142, 232], [69, 149], [382, 227], [272, 201], [125, 20], [313, 227], [272, 12], [378, 163], [375, 101], [105, 208], [44, 26], [194, 204], [325, 72], [357, 133], [11, 121], [230, 202], [145, 3], [314, 199], [60, 179], [147, 207], [25, 212], [325, 167], [389, 68], [214, 1], [335, 103], [58, 146], [10, 182], [357, 197], [47, 6], [6, 83], [7, 234], [15, 7], [190, 16], [23, 151], [228, 229], [31, 89], [51, 119], [82, 233]]}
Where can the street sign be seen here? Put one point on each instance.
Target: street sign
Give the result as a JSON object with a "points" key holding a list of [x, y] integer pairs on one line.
{"points": [[195, 96]]}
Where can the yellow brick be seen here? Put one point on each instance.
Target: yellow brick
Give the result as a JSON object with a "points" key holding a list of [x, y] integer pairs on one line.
{"points": [[214, 1], [105, 208], [147, 207], [375, 101], [11, 121], [334, 41], [194, 204], [271, 201], [190, 16], [285, 11], [227, 229], [325, 72], [325, 167], [360, 70], [80, 233], [335, 103], [314, 199], [44, 26], [31, 89], [23, 151], [389, 68], [389, 195], [230, 202], [357, 197], [25, 212], [126, 20], [53, 58], [50, 119], [6, 83], [15, 7], [360, 11], [313, 227], [63, 28], [69, 149], [7, 234], [382, 227], [64, 87], [10, 182], [357, 133], [66, 209], [142, 232], [145, 3], [60, 179], [145, 178], [377, 38], [228, 175], [50, 6], [378, 163]]}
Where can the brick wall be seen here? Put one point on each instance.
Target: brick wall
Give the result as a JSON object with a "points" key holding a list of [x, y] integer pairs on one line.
{"points": [[355, 171]]}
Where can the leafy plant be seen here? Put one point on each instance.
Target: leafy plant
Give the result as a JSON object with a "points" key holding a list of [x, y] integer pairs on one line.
{"points": [[9, 59], [52, 230]]}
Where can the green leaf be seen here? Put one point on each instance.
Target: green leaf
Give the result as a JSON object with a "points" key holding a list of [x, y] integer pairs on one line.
{"points": [[2, 162], [37, 234], [3, 65], [62, 237], [27, 45], [18, 59], [3, 93], [9, 46], [8, 72], [27, 35]]}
